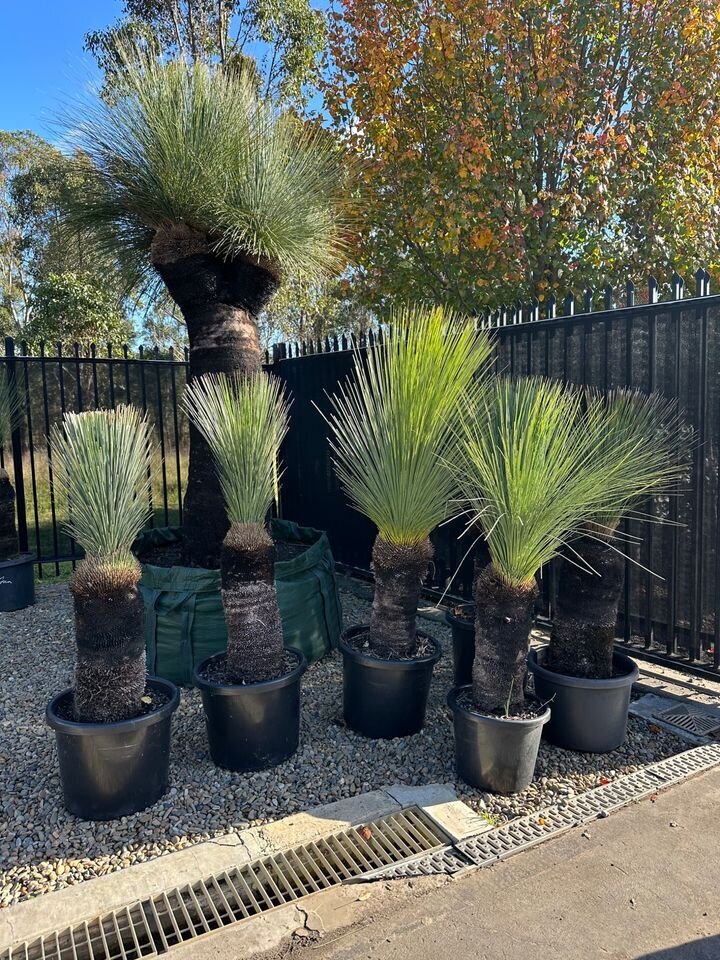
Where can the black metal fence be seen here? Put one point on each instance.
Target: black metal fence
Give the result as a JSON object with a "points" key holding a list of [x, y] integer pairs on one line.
{"points": [[671, 345]]}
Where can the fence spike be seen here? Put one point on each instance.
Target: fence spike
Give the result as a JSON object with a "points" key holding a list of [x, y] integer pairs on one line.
{"points": [[707, 284], [654, 289], [344, 342], [534, 310], [335, 343], [629, 294], [609, 297], [551, 307], [588, 300], [702, 283], [569, 306]]}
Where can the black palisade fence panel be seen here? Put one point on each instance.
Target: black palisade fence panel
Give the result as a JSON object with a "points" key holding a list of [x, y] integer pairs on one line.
{"points": [[664, 338]]}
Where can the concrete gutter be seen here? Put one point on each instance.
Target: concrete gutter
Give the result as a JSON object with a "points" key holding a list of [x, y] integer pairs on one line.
{"points": [[64, 908]]}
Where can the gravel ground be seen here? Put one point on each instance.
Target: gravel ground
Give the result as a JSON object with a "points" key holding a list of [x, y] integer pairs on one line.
{"points": [[44, 848]]}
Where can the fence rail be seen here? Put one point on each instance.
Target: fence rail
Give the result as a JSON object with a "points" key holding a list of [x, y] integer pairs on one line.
{"points": [[671, 345]]}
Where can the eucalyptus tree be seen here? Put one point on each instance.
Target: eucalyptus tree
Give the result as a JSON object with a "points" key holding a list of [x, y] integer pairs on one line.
{"points": [[244, 419], [198, 181], [10, 405], [640, 442], [100, 462], [391, 428]]}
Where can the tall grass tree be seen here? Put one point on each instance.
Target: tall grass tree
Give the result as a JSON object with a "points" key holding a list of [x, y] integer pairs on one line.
{"points": [[100, 462], [639, 438], [10, 406], [391, 429], [198, 181], [244, 419], [528, 479]]}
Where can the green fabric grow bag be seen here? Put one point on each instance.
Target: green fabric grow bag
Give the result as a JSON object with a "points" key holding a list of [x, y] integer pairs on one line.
{"points": [[184, 620]]}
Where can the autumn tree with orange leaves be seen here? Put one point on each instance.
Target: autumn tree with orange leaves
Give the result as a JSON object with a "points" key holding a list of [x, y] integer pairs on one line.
{"points": [[516, 147]]}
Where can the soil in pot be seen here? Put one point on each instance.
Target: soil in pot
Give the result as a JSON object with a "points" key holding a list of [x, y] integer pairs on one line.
{"points": [[462, 626], [492, 751], [383, 697], [251, 726], [111, 770], [588, 715]]}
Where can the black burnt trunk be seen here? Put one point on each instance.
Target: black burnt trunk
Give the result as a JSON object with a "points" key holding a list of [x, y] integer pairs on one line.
{"points": [[110, 664], [252, 616], [503, 620], [8, 530], [220, 301], [583, 633], [399, 574]]}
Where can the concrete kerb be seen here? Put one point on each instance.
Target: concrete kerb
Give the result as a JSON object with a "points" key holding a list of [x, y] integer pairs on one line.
{"points": [[64, 908]]}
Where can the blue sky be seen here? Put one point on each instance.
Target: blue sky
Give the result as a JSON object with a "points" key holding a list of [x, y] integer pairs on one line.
{"points": [[42, 63]]}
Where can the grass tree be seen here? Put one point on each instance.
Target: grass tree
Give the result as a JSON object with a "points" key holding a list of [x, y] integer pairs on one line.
{"points": [[637, 438], [244, 419], [391, 427], [196, 180], [9, 410], [528, 481], [100, 462]]}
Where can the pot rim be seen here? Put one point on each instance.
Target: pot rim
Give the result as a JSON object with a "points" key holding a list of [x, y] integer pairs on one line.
{"points": [[585, 683], [451, 701], [416, 664], [260, 686], [21, 560], [468, 622], [79, 729]]}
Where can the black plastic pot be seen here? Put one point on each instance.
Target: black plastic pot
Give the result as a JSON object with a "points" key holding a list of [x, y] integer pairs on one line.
{"points": [[495, 753], [252, 726], [463, 639], [17, 583], [383, 699], [587, 715], [110, 770]]}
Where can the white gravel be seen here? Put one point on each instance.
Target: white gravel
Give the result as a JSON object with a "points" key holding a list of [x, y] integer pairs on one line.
{"points": [[44, 848]]}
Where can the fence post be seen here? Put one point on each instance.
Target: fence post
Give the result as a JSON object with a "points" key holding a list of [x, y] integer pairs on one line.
{"points": [[16, 440]]}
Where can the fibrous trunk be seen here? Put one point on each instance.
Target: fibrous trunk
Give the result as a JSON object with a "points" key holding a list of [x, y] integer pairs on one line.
{"points": [[8, 530], [220, 301], [399, 572], [110, 663], [255, 638], [503, 620], [583, 633]]}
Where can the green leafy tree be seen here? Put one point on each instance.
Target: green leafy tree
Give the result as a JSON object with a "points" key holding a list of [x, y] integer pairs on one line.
{"points": [[273, 43], [52, 286], [70, 308], [202, 185]]}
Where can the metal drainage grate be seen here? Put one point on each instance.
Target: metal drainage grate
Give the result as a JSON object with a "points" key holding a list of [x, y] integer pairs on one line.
{"points": [[517, 835], [151, 927], [694, 721]]}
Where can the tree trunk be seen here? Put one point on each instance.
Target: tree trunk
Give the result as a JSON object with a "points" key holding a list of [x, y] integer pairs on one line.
{"points": [[255, 637], [110, 663], [399, 573], [220, 301], [8, 530], [503, 620], [583, 633]]}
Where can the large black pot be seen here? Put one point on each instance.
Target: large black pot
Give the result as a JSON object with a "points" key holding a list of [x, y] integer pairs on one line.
{"points": [[110, 770], [463, 639], [495, 753], [17, 583], [383, 699], [587, 715], [252, 726]]}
